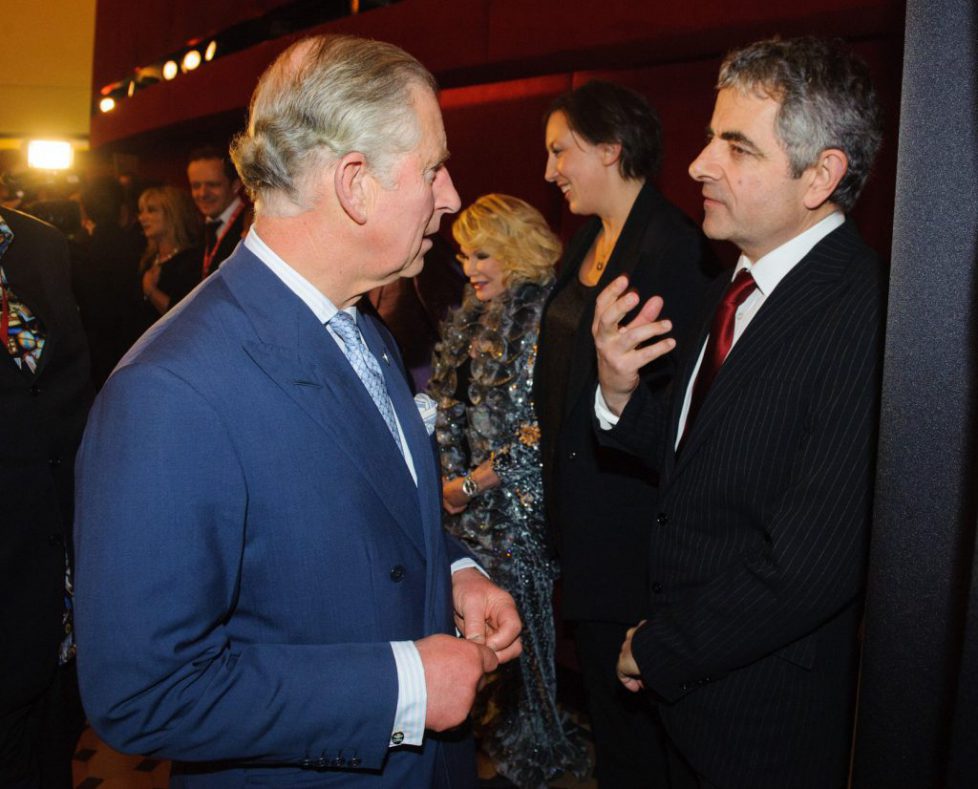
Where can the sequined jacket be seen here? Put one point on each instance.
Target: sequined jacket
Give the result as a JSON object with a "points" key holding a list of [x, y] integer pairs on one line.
{"points": [[495, 419]]}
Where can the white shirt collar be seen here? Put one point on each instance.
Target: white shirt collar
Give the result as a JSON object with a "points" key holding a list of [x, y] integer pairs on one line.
{"points": [[321, 306], [225, 215], [769, 270]]}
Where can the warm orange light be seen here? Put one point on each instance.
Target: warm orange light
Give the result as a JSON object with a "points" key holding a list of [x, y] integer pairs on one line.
{"points": [[107, 104], [191, 60], [210, 51], [49, 154], [170, 69]]}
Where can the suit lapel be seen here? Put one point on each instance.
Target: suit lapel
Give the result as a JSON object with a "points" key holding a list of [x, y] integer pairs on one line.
{"points": [[799, 298], [427, 493], [297, 352]]}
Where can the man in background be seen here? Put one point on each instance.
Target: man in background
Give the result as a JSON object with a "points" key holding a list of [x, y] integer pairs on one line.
{"points": [[216, 189], [45, 393]]}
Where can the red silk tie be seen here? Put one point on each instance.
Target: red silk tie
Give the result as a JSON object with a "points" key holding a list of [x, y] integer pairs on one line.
{"points": [[718, 345]]}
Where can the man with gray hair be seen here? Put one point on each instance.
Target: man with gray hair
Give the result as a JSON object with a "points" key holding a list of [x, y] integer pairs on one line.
{"points": [[758, 548], [265, 593]]}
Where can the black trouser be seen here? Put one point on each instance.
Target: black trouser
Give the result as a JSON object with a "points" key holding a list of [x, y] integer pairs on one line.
{"points": [[628, 736], [37, 742]]}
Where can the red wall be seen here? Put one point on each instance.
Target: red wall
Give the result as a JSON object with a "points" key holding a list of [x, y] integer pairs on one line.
{"points": [[502, 62]]}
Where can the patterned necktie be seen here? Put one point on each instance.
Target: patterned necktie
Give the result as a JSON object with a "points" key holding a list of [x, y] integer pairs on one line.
{"points": [[366, 367], [21, 331], [719, 343]]}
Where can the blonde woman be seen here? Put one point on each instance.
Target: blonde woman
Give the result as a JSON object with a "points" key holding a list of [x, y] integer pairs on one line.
{"points": [[488, 441], [170, 266]]}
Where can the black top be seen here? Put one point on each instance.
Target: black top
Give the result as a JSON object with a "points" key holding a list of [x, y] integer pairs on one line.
{"points": [[599, 499], [179, 275], [563, 318]]}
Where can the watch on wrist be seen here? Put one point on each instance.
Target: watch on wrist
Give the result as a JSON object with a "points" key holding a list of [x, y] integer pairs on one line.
{"points": [[470, 487]]}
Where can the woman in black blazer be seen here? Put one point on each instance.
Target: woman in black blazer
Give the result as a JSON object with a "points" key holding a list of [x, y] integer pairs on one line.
{"points": [[603, 145]]}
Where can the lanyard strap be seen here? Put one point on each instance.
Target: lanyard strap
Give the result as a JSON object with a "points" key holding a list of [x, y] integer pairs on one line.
{"points": [[210, 253]]}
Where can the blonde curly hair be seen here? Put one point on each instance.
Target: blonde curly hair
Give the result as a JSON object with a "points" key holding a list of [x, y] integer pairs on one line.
{"points": [[513, 232]]}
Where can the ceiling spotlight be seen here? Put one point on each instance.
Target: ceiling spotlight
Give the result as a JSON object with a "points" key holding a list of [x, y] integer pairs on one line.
{"points": [[210, 51], [107, 104], [49, 154], [191, 60], [131, 90], [170, 69]]}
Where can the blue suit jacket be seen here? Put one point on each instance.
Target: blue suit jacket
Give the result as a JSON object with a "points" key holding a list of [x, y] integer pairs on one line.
{"points": [[249, 540]]}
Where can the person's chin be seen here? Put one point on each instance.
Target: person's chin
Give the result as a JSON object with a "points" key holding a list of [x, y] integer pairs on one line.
{"points": [[414, 268]]}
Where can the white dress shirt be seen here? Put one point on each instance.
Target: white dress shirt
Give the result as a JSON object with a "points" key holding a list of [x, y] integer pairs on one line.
{"points": [[768, 272]]}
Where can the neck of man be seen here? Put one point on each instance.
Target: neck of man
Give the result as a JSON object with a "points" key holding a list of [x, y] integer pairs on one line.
{"points": [[806, 222], [318, 251]]}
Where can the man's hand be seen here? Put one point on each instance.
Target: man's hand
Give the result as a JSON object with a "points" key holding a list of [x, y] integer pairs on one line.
{"points": [[486, 614], [628, 671], [453, 671], [619, 356]]}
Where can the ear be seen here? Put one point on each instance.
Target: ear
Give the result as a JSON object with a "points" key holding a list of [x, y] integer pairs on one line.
{"points": [[824, 176], [351, 186], [610, 153]]}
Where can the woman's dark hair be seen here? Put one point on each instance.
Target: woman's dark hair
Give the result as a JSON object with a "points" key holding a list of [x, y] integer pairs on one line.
{"points": [[603, 112]]}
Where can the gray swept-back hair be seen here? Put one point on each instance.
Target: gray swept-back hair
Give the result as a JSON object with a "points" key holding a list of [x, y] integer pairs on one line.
{"points": [[827, 101], [322, 98]]}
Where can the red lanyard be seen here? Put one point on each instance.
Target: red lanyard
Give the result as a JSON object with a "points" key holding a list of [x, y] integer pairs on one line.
{"points": [[209, 253]]}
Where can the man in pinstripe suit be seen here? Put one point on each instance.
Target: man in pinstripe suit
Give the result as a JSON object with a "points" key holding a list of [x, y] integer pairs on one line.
{"points": [[758, 548]]}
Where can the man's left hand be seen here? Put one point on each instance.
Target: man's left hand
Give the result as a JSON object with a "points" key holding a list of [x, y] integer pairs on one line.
{"points": [[486, 614], [628, 672]]}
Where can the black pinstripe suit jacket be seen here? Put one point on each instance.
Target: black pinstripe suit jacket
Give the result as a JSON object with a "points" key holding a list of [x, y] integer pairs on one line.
{"points": [[758, 549]]}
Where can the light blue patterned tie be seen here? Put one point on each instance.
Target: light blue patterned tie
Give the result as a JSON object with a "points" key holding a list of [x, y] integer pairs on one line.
{"points": [[365, 365]]}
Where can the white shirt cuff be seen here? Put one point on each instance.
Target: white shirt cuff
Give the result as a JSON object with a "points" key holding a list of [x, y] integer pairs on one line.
{"points": [[412, 695], [461, 564], [606, 419]]}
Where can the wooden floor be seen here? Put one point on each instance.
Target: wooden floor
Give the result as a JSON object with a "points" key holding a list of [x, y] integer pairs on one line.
{"points": [[98, 765]]}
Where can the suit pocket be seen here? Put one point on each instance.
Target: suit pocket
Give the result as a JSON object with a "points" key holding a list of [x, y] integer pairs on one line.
{"points": [[801, 652]]}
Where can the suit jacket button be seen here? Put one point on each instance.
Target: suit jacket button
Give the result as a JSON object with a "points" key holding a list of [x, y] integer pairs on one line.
{"points": [[572, 455], [55, 461], [662, 519], [657, 588], [397, 573], [339, 761], [322, 763], [355, 761], [306, 764], [35, 390], [683, 686]]}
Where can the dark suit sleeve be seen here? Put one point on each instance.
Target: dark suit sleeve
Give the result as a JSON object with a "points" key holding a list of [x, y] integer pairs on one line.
{"points": [[161, 557], [806, 565], [642, 428]]}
